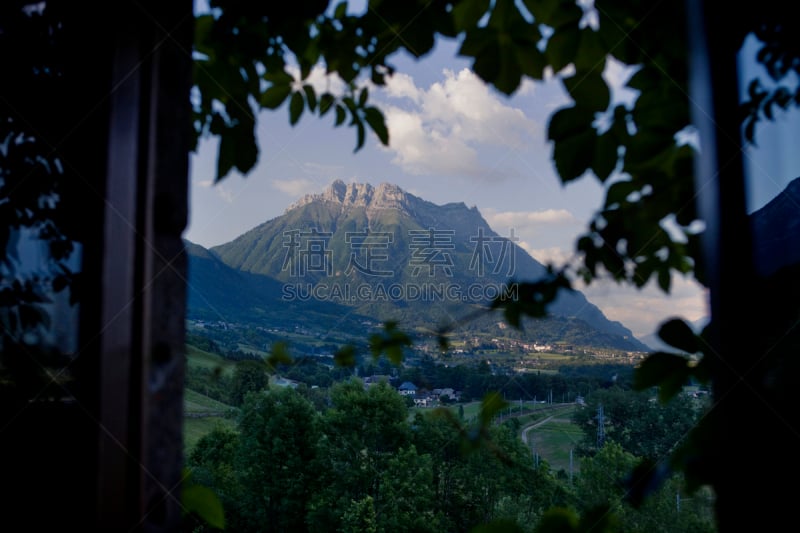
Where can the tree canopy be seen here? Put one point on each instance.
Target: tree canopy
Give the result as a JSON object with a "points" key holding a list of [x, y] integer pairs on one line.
{"points": [[252, 56], [646, 227]]}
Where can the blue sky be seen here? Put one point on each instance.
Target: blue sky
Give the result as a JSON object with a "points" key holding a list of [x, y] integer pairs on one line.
{"points": [[452, 139], [774, 161]]}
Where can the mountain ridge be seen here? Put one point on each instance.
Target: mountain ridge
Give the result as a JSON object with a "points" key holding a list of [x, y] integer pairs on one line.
{"points": [[382, 239]]}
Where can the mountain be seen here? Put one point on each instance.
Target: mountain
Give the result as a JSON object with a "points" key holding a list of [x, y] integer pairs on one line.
{"points": [[381, 252], [776, 231], [218, 293], [656, 344]]}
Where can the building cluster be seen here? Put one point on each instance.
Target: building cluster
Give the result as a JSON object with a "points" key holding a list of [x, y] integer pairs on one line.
{"points": [[422, 397]]}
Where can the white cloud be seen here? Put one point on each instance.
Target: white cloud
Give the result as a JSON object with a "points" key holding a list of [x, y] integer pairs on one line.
{"points": [[401, 85], [206, 184], [547, 235], [535, 226], [527, 87], [295, 187], [554, 254], [444, 129], [319, 79], [643, 310], [224, 193], [542, 234], [521, 219], [419, 150]]}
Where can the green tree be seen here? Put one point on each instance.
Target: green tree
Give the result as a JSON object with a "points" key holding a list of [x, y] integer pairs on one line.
{"points": [[469, 485], [359, 517], [407, 494], [637, 421], [361, 432], [275, 460], [248, 376], [604, 481], [213, 464]]}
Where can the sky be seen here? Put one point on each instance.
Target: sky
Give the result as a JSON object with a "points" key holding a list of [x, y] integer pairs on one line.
{"points": [[452, 139], [774, 160]]}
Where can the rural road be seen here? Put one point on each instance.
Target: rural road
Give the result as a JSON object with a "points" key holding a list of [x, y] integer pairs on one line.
{"points": [[533, 425]]}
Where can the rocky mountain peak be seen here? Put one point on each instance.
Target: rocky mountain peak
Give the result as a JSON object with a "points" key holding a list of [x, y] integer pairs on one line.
{"points": [[384, 196]]}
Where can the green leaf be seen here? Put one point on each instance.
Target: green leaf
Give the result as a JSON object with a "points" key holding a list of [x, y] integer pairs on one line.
{"points": [[591, 53], [340, 11], [562, 48], [605, 156], [325, 103], [32, 316], [476, 41], [487, 62], [467, 13], [569, 121], [668, 371], [554, 13], [678, 334], [375, 119], [362, 97], [644, 80], [509, 75], [204, 503], [360, 135], [391, 341], [664, 278], [311, 97], [573, 156], [237, 147], [589, 90], [491, 404], [619, 191], [296, 105], [646, 478], [341, 114], [279, 354], [531, 61], [443, 342], [345, 356], [275, 96], [278, 76]]}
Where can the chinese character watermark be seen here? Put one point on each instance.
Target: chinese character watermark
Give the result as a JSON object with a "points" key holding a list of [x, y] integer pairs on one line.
{"points": [[307, 251], [428, 251], [366, 249], [482, 253]]}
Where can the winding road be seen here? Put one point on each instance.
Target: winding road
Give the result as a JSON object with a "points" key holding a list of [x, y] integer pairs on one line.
{"points": [[534, 425]]}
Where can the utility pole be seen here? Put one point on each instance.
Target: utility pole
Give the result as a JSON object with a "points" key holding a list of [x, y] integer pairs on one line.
{"points": [[601, 430], [570, 466]]}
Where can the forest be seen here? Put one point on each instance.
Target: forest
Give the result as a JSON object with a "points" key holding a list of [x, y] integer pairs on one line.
{"points": [[339, 453]]}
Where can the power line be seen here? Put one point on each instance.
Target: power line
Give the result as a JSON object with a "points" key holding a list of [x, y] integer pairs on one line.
{"points": [[601, 427]]}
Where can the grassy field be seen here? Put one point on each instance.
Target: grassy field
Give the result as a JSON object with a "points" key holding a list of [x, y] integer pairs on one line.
{"points": [[201, 413], [201, 416], [202, 359], [196, 403], [195, 428], [554, 439]]}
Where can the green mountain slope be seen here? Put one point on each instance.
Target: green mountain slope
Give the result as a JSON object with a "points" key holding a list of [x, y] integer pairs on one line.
{"points": [[390, 255]]}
